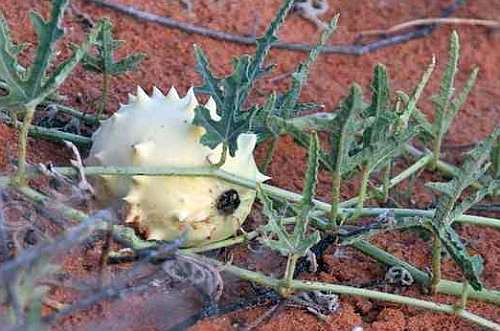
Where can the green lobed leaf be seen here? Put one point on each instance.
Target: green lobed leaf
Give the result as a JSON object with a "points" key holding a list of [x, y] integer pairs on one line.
{"points": [[380, 91], [287, 105], [104, 61], [48, 34], [264, 44], [273, 228], [379, 153], [230, 92], [470, 172], [489, 188], [443, 100], [105, 46], [381, 139], [390, 148], [416, 115], [64, 70], [471, 266], [276, 236], [280, 126], [264, 126], [8, 67], [344, 127], [411, 102], [378, 108], [314, 122], [458, 102], [212, 85], [447, 210], [304, 242], [129, 63], [31, 86], [299, 77]]}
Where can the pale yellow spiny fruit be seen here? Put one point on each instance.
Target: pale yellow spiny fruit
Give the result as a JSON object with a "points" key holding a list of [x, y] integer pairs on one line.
{"points": [[158, 131]]}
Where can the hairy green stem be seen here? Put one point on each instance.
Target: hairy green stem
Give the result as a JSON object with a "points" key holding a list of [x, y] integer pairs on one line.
{"points": [[414, 168], [465, 295], [436, 263], [436, 152], [276, 192], [353, 291], [20, 177], [291, 264], [53, 134], [224, 243], [336, 184], [423, 278], [386, 182], [87, 118], [365, 176], [104, 97], [441, 166], [58, 136], [383, 257], [127, 236], [299, 285]]}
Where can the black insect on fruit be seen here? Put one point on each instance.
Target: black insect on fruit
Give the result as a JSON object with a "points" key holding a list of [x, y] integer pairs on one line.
{"points": [[228, 202]]}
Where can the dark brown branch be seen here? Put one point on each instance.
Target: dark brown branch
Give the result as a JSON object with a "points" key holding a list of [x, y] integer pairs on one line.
{"points": [[419, 32]]}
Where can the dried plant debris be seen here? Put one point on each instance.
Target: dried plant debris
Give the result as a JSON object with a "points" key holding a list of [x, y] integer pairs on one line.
{"points": [[399, 276], [319, 303], [203, 276], [311, 10]]}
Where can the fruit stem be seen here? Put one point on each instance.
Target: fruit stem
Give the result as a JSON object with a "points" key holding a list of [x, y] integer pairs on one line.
{"points": [[223, 157]]}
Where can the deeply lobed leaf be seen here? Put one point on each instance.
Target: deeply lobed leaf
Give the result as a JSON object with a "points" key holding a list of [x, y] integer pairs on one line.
{"points": [[48, 34], [230, 93], [31, 87], [299, 241], [104, 62], [443, 99], [447, 210], [9, 75], [344, 128]]}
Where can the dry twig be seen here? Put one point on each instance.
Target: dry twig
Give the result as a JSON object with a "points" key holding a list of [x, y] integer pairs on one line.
{"points": [[492, 24], [354, 49]]}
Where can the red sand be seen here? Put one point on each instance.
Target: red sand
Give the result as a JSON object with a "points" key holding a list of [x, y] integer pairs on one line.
{"points": [[170, 61]]}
